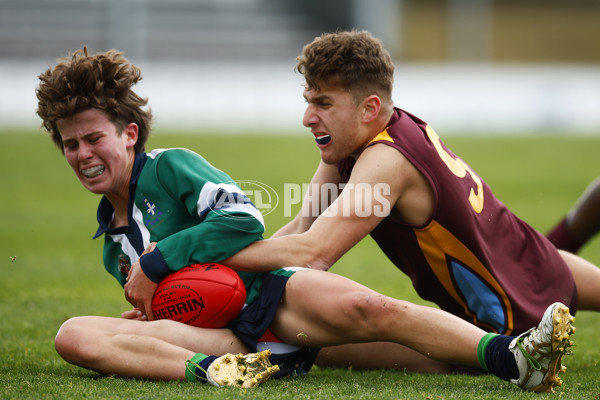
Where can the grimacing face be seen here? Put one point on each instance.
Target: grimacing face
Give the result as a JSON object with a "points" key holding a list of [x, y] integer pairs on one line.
{"points": [[100, 156], [334, 119]]}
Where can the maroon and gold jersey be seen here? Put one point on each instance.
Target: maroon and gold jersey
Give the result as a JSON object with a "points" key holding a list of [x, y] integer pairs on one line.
{"points": [[474, 258]]}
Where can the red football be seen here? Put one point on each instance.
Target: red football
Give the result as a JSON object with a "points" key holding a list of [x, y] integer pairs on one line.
{"points": [[206, 295]]}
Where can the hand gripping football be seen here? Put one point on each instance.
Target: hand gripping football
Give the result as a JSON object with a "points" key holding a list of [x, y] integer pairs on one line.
{"points": [[205, 295]]}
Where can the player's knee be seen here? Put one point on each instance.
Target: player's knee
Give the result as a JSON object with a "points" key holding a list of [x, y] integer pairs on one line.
{"points": [[71, 339], [372, 312]]}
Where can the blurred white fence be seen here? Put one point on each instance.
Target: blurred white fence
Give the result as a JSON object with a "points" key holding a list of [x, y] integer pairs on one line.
{"points": [[267, 97]]}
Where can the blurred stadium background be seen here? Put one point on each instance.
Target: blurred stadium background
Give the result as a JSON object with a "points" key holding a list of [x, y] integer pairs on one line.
{"points": [[465, 66]]}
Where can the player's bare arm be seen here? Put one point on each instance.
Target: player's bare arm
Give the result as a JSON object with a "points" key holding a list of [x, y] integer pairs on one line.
{"points": [[325, 174], [382, 178]]}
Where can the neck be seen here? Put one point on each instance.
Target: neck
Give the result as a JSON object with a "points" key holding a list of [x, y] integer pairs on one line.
{"points": [[377, 126], [119, 203], [383, 120], [120, 198]]}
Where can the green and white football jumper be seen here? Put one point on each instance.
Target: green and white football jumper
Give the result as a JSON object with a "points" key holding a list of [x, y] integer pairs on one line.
{"points": [[195, 213]]}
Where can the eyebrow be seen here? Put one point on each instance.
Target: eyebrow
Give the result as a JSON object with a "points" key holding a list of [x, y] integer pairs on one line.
{"points": [[317, 98], [85, 136]]}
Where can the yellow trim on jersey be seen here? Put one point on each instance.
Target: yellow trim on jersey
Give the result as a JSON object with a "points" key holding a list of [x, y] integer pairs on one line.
{"points": [[437, 243], [382, 136]]}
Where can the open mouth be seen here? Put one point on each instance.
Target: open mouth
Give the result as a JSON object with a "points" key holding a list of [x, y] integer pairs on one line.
{"points": [[322, 139], [93, 171]]}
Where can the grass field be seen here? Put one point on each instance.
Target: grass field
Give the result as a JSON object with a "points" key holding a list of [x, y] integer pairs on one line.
{"points": [[51, 268]]}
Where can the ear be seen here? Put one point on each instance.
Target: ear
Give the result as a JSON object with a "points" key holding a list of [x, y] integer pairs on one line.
{"points": [[131, 131], [371, 106]]}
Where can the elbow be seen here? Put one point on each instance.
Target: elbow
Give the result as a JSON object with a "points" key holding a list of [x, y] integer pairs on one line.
{"points": [[321, 265], [317, 256]]}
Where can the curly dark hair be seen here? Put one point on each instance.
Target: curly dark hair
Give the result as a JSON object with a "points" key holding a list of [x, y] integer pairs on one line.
{"points": [[102, 81], [352, 60]]}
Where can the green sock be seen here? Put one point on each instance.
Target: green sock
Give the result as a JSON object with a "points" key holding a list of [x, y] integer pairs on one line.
{"points": [[483, 343], [191, 366]]}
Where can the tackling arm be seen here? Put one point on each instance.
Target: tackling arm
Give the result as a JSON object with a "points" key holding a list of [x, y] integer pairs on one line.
{"points": [[379, 179], [313, 203]]}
